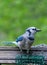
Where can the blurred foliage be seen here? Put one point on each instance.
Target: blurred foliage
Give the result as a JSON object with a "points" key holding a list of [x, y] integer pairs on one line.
{"points": [[17, 15]]}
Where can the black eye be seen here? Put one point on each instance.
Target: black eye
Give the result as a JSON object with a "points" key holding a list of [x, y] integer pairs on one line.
{"points": [[34, 29]]}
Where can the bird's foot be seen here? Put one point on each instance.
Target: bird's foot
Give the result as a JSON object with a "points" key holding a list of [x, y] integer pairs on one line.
{"points": [[21, 50], [27, 51]]}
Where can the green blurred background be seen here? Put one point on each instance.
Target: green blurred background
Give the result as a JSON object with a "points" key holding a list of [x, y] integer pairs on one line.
{"points": [[17, 15]]}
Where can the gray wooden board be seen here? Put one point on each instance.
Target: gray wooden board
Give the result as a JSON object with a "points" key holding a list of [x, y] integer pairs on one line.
{"points": [[8, 54]]}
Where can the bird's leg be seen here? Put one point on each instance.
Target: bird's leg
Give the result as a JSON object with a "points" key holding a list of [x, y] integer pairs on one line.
{"points": [[20, 49], [28, 51]]}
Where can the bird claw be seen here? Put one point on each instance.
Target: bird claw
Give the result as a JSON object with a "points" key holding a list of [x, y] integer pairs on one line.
{"points": [[27, 51], [21, 50]]}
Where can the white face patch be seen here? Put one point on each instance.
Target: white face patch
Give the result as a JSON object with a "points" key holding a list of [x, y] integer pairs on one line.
{"points": [[32, 30]]}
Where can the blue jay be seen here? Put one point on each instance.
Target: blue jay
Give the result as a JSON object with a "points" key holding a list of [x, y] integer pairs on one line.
{"points": [[26, 40]]}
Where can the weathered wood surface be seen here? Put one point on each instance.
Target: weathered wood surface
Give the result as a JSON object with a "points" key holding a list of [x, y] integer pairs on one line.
{"points": [[8, 54]]}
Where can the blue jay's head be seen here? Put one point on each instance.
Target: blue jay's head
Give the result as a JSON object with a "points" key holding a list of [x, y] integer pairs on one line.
{"points": [[32, 30]]}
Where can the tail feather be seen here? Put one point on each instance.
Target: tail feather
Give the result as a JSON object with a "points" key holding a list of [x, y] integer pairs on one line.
{"points": [[15, 43], [8, 43]]}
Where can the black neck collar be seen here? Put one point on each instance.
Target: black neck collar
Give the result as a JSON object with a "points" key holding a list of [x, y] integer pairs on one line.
{"points": [[29, 32]]}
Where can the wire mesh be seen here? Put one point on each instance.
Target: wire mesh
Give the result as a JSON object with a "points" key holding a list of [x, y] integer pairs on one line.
{"points": [[24, 59]]}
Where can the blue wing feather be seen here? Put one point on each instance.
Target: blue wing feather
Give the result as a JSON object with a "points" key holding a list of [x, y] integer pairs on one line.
{"points": [[19, 39]]}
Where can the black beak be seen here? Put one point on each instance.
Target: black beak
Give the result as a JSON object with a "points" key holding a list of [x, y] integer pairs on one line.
{"points": [[38, 30]]}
